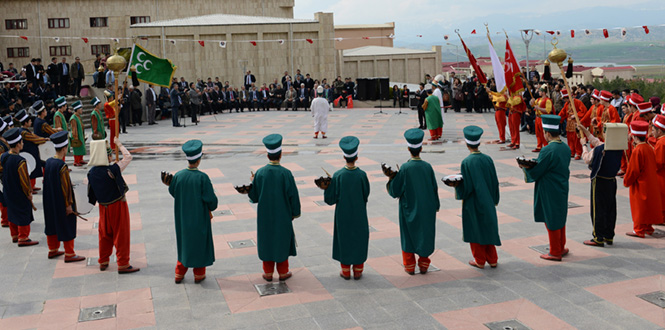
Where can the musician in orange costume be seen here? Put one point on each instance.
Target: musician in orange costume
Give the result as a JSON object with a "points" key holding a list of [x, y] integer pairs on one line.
{"points": [[658, 132], [109, 111], [516, 108], [571, 135], [543, 106], [500, 107]]}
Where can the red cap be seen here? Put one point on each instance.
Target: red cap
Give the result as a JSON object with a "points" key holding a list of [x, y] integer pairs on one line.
{"points": [[644, 107], [564, 93], [659, 121], [605, 95], [662, 109], [636, 99], [596, 94], [639, 128]]}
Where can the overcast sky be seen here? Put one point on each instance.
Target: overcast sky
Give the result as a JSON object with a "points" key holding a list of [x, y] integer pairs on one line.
{"points": [[433, 19]]}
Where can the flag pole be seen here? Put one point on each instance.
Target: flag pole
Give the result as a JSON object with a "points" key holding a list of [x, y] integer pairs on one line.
{"points": [[116, 63], [558, 56]]}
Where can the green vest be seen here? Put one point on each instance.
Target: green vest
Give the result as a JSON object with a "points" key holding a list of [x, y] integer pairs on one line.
{"points": [[78, 151], [59, 114], [100, 124]]}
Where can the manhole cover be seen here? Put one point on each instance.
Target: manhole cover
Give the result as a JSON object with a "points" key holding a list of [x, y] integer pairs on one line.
{"points": [[320, 203], [432, 268], [270, 289], [224, 212], [242, 244], [572, 205], [507, 325], [506, 184], [580, 176], [97, 313], [658, 234], [657, 298], [542, 249]]}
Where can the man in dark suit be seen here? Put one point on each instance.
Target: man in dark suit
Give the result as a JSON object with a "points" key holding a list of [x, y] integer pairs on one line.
{"points": [[135, 104], [151, 104], [78, 74], [232, 97], [183, 84], [303, 98], [31, 71], [176, 102], [309, 83], [214, 98], [52, 71], [286, 77], [223, 101], [63, 82], [264, 98], [254, 99], [248, 80]]}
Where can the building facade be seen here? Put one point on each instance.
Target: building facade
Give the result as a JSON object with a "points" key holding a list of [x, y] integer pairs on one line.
{"points": [[100, 21], [361, 35]]}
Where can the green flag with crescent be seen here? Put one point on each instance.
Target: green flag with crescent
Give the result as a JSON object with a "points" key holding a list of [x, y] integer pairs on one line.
{"points": [[150, 68]]}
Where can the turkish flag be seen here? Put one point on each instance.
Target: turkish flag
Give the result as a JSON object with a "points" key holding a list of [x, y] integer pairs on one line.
{"points": [[473, 32], [24, 37], [472, 59], [310, 41], [85, 40], [605, 33], [202, 43], [646, 29], [253, 43], [550, 32], [366, 38], [572, 33], [512, 71]]}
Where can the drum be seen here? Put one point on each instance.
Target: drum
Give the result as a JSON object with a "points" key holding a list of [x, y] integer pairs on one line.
{"points": [[83, 207], [46, 150], [29, 160], [452, 180]]}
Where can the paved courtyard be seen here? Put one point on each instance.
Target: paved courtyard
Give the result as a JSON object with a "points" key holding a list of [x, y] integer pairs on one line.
{"points": [[593, 288]]}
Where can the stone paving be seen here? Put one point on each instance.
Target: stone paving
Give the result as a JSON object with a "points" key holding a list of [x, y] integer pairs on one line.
{"points": [[593, 288]]}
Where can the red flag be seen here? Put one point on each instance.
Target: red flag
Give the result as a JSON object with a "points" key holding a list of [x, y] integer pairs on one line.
{"points": [[473, 32], [85, 40], [572, 33], [202, 43], [310, 41], [479, 72], [366, 38], [253, 43], [419, 35], [445, 37], [24, 37], [512, 71], [550, 32], [605, 33], [646, 29]]}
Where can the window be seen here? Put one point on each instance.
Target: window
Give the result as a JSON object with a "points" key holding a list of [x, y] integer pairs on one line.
{"points": [[60, 50], [99, 21], [18, 52], [19, 24], [139, 19], [100, 49], [58, 23]]}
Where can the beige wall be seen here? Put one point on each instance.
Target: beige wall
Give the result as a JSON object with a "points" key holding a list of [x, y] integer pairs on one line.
{"points": [[353, 36], [267, 60], [409, 68], [80, 11]]}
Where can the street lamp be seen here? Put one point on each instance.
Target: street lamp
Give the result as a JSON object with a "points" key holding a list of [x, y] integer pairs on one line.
{"points": [[456, 54]]}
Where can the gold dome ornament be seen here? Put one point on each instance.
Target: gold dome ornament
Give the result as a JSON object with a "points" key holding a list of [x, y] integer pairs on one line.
{"points": [[100, 68], [557, 55], [116, 63], [133, 68]]}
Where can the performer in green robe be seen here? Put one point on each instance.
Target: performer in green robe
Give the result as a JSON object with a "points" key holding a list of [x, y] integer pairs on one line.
{"points": [[479, 192], [433, 116], [550, 201], [97, 120], [77, 136], [349, 190], [274, 189], [415, 186], [195, 200], [59, 120]]}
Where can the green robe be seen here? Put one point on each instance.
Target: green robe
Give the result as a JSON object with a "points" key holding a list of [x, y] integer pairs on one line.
{"points": [[349, 190], [78, 151], [274, 189], [194, 200], [415, 186], [100, 124], [64, 126], [433, 113], [479, 192], [550, 201]]}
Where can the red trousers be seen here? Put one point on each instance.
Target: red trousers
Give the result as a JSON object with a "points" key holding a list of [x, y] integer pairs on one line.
{"points": [[514, 126], [357, 269], [32, 183], [54, 245], [112, 124], [574, 144], [78, 159], [557, 241], [540, 134], [409, 260], [20, 232], [484, 253], [181, 270], [642, 230], [626, 157], [436, 133], [500, 118], [114, 231], [4, 217], [282, 267]]}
